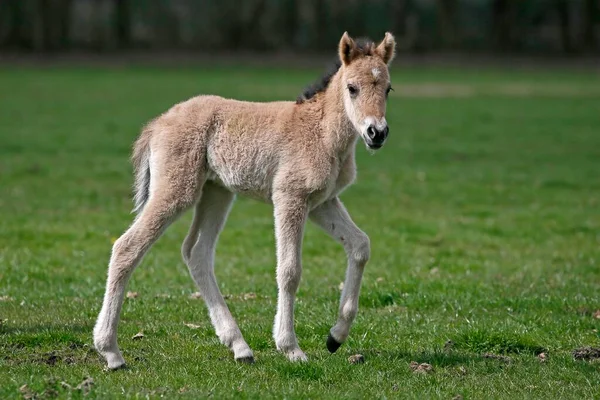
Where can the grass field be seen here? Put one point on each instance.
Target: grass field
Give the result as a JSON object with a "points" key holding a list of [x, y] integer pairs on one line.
{"points": [[483, 211]]}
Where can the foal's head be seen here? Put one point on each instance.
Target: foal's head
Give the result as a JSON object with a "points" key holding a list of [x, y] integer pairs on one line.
{"points": [[366, 84]]}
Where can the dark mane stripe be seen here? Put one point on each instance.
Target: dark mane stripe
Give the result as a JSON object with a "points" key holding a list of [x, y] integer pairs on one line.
{"points": [[320, 85], [364, 47]]}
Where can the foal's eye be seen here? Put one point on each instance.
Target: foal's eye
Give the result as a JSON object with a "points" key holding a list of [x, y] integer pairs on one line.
{"points": [[353, 90]]}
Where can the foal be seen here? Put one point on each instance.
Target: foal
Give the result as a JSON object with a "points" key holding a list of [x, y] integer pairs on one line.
{"points": [[298, 156]]}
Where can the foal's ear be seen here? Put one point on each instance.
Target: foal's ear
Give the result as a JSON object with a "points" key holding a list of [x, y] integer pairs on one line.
{"points": [[346, 48], [387, 48]]}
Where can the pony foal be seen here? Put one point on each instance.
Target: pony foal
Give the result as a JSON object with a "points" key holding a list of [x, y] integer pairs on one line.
{"points": [[298, 156]]}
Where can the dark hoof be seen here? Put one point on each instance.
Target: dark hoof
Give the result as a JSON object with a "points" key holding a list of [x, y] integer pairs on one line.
{"points": [[332, 344], [245, 360]]}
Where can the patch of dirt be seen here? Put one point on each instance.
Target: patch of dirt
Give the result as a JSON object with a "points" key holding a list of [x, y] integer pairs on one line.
{"points": [[26, 392], [242, 297], [249, 296], [587, 353], [138, 336], [422, 368], [356, 359], [86, 386], [183, 389], [55, 389], [582, 310], [195, 295], [132, 295], [51, 358], [497, 357], [67, 354]]}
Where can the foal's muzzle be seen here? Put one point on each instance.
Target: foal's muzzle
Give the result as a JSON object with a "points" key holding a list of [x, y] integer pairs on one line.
{"points": [[375, 137]]}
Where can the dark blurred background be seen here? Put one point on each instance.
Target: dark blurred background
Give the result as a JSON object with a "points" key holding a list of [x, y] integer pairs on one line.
{"points": [[531, 27]]}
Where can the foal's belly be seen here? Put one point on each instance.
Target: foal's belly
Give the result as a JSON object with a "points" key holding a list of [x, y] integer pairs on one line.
{"points": [[262, 191], [257, 192], [251, 178]]}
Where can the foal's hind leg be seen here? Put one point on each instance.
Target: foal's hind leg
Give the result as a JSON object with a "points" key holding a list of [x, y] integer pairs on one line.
{"points": [[334, 219], [209, 218], [128, 250]]}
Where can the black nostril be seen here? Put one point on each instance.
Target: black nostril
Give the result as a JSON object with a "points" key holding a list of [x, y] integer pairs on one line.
{"points": [[379, 135], [371, 132], [376, 135]]}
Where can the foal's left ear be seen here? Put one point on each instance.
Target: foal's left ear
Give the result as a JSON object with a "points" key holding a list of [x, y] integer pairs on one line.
{"points": [[387, 48]]}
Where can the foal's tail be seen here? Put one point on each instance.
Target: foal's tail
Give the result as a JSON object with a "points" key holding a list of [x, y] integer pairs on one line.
{"points": [[141, 166]]}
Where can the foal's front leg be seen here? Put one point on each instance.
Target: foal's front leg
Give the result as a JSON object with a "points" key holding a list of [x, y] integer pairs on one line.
{"points": [[333, 218], [290, 218]]}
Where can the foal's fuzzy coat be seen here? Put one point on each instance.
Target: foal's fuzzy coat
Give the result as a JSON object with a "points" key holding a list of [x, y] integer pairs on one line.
{"points": [[298, 156]]}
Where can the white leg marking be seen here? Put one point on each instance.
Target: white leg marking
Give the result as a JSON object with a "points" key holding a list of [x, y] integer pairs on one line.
{"points": [[333, 218], [209, 217]]}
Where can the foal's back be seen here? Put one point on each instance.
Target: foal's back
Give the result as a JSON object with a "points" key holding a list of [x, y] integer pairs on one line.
{"points": [[244, 146]]}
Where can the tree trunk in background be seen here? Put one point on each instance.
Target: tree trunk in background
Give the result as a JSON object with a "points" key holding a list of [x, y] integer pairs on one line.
{"points": [[253, 28], [51, 25], [98, 39], [398, 9], [15, 18], [122, 23], [503, 24], [63, 21], [447, 22], [589, 14], [41, 26], [290, 21], [361, 9], [562, 7], [320, 18], [230, 25], [165, 26]]}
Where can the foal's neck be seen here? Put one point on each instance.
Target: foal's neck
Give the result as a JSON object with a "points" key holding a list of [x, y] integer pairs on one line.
{"points": [[339, 133]]}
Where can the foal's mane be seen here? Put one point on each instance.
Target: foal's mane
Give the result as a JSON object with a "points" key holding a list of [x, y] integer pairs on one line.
{"points": [[364, 47]]}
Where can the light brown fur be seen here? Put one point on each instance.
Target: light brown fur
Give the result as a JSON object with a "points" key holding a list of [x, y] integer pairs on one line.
{"points": [[297, 156]]}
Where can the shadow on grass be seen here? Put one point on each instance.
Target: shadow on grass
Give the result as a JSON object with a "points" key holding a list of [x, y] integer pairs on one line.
{"points": [[76, 328], [40, 335], [482, 340], [47, 346], [435, 358]]}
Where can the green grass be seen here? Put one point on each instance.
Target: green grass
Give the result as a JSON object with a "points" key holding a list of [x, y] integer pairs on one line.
{"points": [[483, 211]]}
